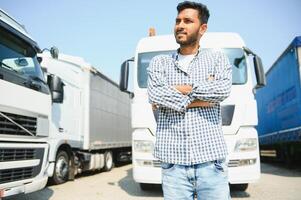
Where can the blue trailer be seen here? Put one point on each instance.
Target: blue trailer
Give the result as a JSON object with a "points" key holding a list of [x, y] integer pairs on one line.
{"points": [[279, 106]]}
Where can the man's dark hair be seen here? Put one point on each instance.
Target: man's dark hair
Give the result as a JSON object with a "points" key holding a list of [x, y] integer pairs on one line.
{"points": [[201, 8]]}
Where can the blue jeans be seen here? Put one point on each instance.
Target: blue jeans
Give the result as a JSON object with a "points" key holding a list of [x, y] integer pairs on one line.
{"points": [[209, 181]]}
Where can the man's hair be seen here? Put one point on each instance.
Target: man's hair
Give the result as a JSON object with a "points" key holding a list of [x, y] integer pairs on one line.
{"points": [[201, 8]]}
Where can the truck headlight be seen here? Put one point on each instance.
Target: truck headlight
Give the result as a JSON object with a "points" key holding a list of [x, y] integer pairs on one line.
{"points": [[143, 146], [246, 144]]}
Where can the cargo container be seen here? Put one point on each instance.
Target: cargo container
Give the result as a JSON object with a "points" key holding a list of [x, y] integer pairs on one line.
{"points": [[279, 107]]}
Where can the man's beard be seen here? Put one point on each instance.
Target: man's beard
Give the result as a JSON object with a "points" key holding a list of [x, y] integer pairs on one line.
{"points": [[191, 39]]}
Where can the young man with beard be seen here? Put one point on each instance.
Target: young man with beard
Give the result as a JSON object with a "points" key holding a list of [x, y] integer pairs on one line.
{"points": [[187, 88]]}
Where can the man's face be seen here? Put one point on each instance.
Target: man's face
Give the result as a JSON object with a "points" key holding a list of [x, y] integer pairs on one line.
{"points": [[188, 28]]}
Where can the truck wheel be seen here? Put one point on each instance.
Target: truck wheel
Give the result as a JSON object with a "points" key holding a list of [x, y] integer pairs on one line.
{"points": [[109, 162], [289, 156], [239, 187], [61, 168]]}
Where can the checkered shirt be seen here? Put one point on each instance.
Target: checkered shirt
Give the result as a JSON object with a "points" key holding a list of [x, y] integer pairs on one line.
{"points": [[188, 136]]}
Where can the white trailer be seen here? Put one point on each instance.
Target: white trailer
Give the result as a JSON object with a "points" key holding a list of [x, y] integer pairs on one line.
{"points": [[239, 110], [25, 104], [91, 124]]}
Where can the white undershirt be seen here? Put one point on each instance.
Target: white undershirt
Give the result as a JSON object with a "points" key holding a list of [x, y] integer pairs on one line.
{"points": [[184, 61]]}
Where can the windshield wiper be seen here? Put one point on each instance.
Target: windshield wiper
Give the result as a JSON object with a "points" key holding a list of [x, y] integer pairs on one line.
{"points": [[8, 67], [36, 78]]}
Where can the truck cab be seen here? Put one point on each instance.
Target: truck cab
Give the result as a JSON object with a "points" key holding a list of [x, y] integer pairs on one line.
{"points": [[25, 105], [239, 110]]}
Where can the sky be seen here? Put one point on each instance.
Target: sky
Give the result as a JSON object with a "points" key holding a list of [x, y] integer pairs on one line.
{"points": [[105, 33]]}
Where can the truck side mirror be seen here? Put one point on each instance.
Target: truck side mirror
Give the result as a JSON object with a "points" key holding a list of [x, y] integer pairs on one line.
{"points": [[260, 76], [124, 76], [54, 51], [56, 87]]}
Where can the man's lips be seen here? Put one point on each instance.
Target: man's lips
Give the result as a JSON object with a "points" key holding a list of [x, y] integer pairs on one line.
{"points": [[181, 33]]}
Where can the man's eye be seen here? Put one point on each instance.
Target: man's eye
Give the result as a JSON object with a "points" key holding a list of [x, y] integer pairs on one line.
{"points": [[188, 21]]}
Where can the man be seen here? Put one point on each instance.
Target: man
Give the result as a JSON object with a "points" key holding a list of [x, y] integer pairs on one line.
{"points": [[187, 89]]}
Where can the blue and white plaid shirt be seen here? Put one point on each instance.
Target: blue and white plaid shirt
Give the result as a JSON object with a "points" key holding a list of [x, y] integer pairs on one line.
{"points": [[189, 136]]}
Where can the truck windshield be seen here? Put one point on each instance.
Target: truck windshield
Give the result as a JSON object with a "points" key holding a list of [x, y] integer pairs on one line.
{"points": [[236, 56], [18, 59]]}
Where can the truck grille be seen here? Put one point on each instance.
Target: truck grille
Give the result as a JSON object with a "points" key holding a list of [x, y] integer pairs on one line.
{"points": [[17, 154], [227, 112], [233, 163], [157, 163], [10, 175], [7, 127], [10, 155]]}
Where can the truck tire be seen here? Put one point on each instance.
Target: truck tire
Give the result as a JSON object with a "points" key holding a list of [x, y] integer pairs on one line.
{"points": [[239, 187], [146, 186], [61, 168], [109, 161], [288, 151]]}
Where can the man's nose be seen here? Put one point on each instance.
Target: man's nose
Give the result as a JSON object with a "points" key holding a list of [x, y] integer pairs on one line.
{"points": [[180, 25]]}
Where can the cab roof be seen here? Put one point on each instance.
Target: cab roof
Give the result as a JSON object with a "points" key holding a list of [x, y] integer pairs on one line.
{"points": [[208, 40]]}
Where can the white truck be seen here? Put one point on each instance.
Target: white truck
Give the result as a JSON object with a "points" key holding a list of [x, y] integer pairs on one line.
{"points": [[91, 123], [239, 110], [25, 111]]}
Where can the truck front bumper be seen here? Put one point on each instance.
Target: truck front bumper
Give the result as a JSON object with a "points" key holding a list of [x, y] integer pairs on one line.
{"points": [[28, 187], [150, 175]]}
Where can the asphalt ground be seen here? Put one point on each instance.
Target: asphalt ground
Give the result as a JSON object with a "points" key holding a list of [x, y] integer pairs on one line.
{"points": [[276, 182]]}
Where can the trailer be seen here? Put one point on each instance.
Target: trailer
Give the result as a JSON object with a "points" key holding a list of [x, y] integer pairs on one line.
{"points": [[279, 107], [91, 123]]}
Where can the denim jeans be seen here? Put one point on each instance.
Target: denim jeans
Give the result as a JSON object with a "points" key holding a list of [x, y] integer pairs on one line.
{"points": [[208, 181]]}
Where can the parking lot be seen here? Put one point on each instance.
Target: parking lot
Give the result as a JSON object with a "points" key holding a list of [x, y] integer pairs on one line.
{"points": [[277, 182]]}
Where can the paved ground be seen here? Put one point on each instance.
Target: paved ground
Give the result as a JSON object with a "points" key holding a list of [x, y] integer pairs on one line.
{"points": [[277, 182]]}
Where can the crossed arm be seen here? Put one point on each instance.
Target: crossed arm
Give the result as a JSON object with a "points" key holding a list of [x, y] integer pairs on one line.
{"points": [[181, 97], [186, 89]]}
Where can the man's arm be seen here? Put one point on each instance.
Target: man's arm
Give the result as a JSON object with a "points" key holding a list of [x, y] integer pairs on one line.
{"points": [[186, 89], [162, 94]]}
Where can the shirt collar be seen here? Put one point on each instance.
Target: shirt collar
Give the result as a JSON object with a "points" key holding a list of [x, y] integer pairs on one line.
{"points": [[175, 55]]}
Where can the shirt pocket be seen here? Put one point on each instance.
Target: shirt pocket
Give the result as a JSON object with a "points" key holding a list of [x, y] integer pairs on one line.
{"points": [[203, 71]]}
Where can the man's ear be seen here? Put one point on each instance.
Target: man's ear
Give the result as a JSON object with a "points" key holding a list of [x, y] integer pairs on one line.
{"points": [[203, 29]]}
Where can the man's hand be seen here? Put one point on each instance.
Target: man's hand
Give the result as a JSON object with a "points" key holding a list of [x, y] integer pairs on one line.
{"points": [[184, 89], [199, 103], [194, 104], [155, 107]]}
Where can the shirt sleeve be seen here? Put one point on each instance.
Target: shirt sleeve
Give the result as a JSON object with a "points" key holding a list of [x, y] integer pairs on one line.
{"points": [[218, 88], [159, 92]]}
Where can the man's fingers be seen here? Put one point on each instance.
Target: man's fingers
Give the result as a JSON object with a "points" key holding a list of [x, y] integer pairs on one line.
{"points": [[154, 107]]}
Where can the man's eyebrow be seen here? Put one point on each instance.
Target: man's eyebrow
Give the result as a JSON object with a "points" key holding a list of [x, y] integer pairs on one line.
{"points": [[184, 18]]}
